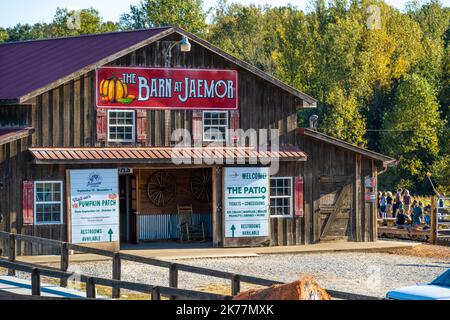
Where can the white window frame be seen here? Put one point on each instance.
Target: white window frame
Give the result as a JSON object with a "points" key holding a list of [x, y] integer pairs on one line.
{"points": [[49, 202], [291, 198], [133, 132], [212, 126]]}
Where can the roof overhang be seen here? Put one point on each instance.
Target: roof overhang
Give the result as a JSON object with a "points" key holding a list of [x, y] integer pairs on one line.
{"points": [[386, 160], [165, 155], [10, 135]]}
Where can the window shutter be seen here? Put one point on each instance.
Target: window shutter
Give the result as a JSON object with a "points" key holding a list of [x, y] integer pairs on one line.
{"points": [[298, 196], [234, 125], [197, 127], [27, 203], [102, 126], [141, 125]]}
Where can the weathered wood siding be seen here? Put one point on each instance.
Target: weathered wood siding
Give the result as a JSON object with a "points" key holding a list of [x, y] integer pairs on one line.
{"points": [[66, 116], [329, 163]]}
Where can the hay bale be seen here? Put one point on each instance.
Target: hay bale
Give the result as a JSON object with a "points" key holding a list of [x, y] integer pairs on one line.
{"points": [[303, 289]]}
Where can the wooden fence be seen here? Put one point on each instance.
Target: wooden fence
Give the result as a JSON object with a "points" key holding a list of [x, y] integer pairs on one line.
{"points": [[173, 292]]}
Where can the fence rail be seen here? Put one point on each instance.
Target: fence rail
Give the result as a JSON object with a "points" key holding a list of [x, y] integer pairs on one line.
{"points": [[91, 282], [117, 257]]}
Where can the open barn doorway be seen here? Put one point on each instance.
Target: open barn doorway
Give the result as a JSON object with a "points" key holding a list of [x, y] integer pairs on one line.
{"points": [[158, 202]]}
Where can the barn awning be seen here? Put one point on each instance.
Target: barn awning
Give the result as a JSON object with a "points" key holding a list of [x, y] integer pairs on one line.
{"points": [[175, 155], [9, 135]]}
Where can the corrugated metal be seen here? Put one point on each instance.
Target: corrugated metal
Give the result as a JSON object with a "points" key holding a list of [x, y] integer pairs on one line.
{"points": [[165, 226], [30, 65], [164, 154]]}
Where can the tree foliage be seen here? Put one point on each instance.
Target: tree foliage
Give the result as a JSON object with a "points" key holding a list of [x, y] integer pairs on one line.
{"points": [[65, 23], [187, 14], [412, 127]]}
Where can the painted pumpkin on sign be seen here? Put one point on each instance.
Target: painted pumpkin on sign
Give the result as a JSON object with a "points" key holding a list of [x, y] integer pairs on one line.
{"points": [[113, 88]]}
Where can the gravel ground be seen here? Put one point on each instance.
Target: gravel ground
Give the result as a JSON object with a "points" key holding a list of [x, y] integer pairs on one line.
{"points": [[365, 273]]}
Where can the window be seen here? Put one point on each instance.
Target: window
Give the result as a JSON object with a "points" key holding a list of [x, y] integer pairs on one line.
{"points": [[281, 197], [215, 125], [48, 202], [120, 126]]}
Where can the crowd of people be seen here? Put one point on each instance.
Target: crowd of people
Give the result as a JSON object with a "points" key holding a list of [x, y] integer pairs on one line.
{"points": [[404, 208]]}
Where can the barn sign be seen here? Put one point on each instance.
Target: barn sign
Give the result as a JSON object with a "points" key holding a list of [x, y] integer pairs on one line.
{"points": [[166, 88]]}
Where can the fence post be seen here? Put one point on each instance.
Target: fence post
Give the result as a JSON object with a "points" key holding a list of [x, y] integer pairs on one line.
{"points": [[116, 275], [90, 288], [173, 278], [12, 253], [156, 295], [35, 282], [235, 284], [433, 223], [64, 262]]}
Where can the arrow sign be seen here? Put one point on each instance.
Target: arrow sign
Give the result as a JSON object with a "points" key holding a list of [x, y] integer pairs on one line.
{"points": [[110, 232], [257, 197], [232, 230]]}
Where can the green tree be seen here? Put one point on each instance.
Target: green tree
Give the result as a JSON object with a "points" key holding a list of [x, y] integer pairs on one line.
{"points": [[186, 14], [86, 21], [343, 119], [65, 23], [3, 35], [246, 32], [412, 127]]}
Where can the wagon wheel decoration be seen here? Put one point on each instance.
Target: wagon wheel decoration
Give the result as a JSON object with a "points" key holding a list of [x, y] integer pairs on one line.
{"points": [[161, 188], [201, 185]]}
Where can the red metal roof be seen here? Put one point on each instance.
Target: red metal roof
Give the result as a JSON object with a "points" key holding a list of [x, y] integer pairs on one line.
{"points": [[9, 135], [30, 65], [162, 154]]}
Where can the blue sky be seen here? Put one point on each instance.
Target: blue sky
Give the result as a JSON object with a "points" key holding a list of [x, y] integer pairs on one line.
{"points": [[31, 11]]}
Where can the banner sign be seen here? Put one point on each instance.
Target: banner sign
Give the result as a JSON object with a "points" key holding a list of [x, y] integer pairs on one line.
{"points": [[94, 205], [166, 88], [246, 205]]}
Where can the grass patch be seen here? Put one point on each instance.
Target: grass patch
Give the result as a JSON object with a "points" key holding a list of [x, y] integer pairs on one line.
{"points": [[225, 289]]}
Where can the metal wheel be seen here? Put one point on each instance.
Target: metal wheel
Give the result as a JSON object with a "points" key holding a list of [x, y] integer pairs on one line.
{"points": [[161, 188], [201, 185]]}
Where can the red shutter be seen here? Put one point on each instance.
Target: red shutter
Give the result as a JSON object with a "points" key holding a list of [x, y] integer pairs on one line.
{"points": [[197, 130], [141, 125], [234, 125], [101, 125], [298, 196], [27, 203]]}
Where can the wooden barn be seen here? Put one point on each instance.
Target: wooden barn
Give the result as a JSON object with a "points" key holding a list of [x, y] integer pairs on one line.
{"points": [[157, 135]]}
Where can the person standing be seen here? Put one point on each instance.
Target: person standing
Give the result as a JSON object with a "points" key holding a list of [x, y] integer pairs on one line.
{"points": [[379, 203], [417, 214], [389, 204], [407, 201], [383, 205], [398, 201]]}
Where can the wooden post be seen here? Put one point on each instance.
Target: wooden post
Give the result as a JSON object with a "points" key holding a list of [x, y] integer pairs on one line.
{"points": [[235, 284], [12, 253], [173, 278], [90, 288], [64, 264], [35, 282], [433, 223], [116, 275], [156, 295]]}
